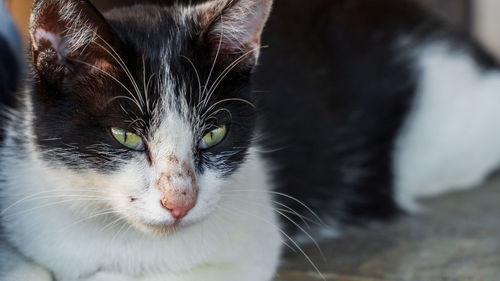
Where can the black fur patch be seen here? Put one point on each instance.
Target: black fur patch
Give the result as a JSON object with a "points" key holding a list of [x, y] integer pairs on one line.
{"points": [[73, 116], [335, 97], [336, 91]]}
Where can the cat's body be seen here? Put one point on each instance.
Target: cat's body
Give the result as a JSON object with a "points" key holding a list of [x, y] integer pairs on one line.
{"points": [[373, 104], [359, 110]]}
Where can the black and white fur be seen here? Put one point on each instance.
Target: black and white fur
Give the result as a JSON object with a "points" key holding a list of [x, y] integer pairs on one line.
{"points": [[371, 105], [358, 108], [81, 205]]}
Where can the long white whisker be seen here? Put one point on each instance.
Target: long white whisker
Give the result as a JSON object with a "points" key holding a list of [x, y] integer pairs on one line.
{"points": [[282, 213], [216, 54], [226, 100], [224, 73], [146, 87], [122, 64], [102, 213], [283, 195], [305, 232], [53, 204], [112, 223], [229, 214], [285, 208], [34, 195], [297, 246], [196, 73], [127, 98], [119, 230], [135, 101]]}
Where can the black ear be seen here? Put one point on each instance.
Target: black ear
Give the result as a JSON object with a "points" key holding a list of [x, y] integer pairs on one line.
{"points": [[70, 40], [233, 28]]}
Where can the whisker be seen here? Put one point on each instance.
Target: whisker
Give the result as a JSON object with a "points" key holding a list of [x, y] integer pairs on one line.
{"points": [[127, 98], [135, 101], [122, 64], [224, 73], [118, 232], [46, 192], [230, 215], [216, 54], [305, 232], [112, 223], [285, 208], [282, 213], [219, 110], [196, 72], [54, 204], [102, 213], [226, 100], [297, 246], [144, 82], [283, 195]]}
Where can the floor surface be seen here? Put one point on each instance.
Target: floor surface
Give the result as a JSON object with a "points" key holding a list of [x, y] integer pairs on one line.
{"points": [[456, 239]]}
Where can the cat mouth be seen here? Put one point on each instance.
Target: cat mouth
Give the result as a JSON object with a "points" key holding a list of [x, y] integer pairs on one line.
{"points": [[157, 228]]}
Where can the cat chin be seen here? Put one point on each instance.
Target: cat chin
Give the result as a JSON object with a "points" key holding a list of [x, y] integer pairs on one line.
{"points": [[169, 225], [156, 229]]}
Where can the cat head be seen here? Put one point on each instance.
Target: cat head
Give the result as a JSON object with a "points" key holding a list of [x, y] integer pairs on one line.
{"points": [[149, 109]]}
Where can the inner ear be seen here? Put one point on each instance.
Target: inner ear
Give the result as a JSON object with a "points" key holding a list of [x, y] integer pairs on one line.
{"points": [[70, 37], [233, 28]]}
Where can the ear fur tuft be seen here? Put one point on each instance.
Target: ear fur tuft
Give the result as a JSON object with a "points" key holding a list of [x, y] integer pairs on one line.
{"points": [[235, 25], [67, 36]]}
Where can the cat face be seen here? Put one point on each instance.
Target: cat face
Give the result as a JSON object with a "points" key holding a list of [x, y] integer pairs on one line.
{"points": [[148, 110]]}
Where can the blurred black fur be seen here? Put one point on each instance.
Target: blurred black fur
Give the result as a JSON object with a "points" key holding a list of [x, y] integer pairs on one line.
{"points": [[335, 94]]}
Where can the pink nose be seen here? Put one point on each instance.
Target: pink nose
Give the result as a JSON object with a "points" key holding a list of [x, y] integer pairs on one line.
{"points": [[179, 213], [179, 207]]}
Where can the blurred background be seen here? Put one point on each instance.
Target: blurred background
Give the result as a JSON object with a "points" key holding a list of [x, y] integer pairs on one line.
{"points": [[477, 17]]}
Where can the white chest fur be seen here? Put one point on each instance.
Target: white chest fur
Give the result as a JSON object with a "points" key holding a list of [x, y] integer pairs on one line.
{"points": [[450, 140], [240, 236]]}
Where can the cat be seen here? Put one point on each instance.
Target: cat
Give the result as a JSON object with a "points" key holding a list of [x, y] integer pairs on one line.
{"points": [[129, 156], [11, 71], [146, 143], [404, 107]]}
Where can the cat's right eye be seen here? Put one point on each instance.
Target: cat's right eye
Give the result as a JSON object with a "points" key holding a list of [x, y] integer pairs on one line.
{"points": [[213, 137], [128, 139]]}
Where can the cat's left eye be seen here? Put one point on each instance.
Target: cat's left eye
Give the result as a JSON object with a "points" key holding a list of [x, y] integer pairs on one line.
{"points": [[128, 139], [213, 137]]}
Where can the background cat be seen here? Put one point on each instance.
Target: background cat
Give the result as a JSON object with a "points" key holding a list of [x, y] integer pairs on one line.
{"points": [[372, 104]]}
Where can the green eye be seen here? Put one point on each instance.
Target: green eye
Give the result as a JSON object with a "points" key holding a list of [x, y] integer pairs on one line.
{"points": [[213, 138], [128, 139]]}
